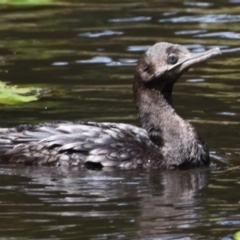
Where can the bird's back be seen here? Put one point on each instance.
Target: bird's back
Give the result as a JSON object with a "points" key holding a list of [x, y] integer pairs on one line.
{"points": [[77, 144]]}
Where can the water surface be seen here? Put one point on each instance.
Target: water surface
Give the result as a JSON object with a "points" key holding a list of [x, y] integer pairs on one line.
{"points": [[82, 54]]}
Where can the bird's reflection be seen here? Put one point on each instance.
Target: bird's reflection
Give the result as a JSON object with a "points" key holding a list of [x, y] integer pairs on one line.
{"points": [[171, 203], [154, 203]]}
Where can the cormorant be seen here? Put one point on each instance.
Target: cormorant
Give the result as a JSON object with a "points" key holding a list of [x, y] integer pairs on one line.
{"points": [[165, 140]]}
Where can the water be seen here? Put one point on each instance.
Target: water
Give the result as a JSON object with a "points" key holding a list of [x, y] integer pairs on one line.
{"points": [[81, 57]]}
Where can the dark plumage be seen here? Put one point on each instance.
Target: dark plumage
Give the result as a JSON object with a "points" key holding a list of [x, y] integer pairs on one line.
{"points": [[165, 141]]}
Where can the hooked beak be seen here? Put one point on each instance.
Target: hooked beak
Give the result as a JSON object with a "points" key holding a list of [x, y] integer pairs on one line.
{"points": [[193, 59]]}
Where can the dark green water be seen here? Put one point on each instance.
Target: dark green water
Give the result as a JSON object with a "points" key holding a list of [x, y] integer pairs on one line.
{"points": [[82, 54]]}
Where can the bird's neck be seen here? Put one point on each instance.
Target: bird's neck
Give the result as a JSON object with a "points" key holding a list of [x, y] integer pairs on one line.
{"points": [[176, 138]]}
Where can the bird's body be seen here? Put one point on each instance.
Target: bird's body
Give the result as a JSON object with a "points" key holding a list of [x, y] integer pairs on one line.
{"points": [[64, 143], [165, 141]]}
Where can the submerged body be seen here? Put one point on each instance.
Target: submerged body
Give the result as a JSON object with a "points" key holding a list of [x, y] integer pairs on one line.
{"points": [[165, 141]]}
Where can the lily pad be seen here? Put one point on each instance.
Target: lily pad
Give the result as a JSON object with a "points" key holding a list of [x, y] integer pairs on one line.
{"points": [[237, 236], [14, 95]]}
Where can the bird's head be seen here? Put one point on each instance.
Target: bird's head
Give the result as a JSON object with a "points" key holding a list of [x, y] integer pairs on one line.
{"points": [[163, 63]]}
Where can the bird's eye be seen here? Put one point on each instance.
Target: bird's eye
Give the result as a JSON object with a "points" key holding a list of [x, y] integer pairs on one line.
{"points": [[172, 58]]}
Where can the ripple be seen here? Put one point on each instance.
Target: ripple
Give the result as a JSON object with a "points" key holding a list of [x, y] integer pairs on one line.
{"points": [[109, 61], [231, 50], [169, 13], [98, 59], [100, 34], [133, 19], [138, 48], [196, 47], [230, 35], [189, 32], [198, 4], [219, 158], [228, 223], [227, 113], [195, 80], [59, 64], [123, 62], [209, 18]]}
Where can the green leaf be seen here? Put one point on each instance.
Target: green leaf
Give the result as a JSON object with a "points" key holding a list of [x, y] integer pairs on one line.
{"points": [[237, 236], [14, 95]]}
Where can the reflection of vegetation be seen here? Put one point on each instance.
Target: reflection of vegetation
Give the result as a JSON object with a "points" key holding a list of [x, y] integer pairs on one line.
{"points": [[28, 2], [13, 95]]}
